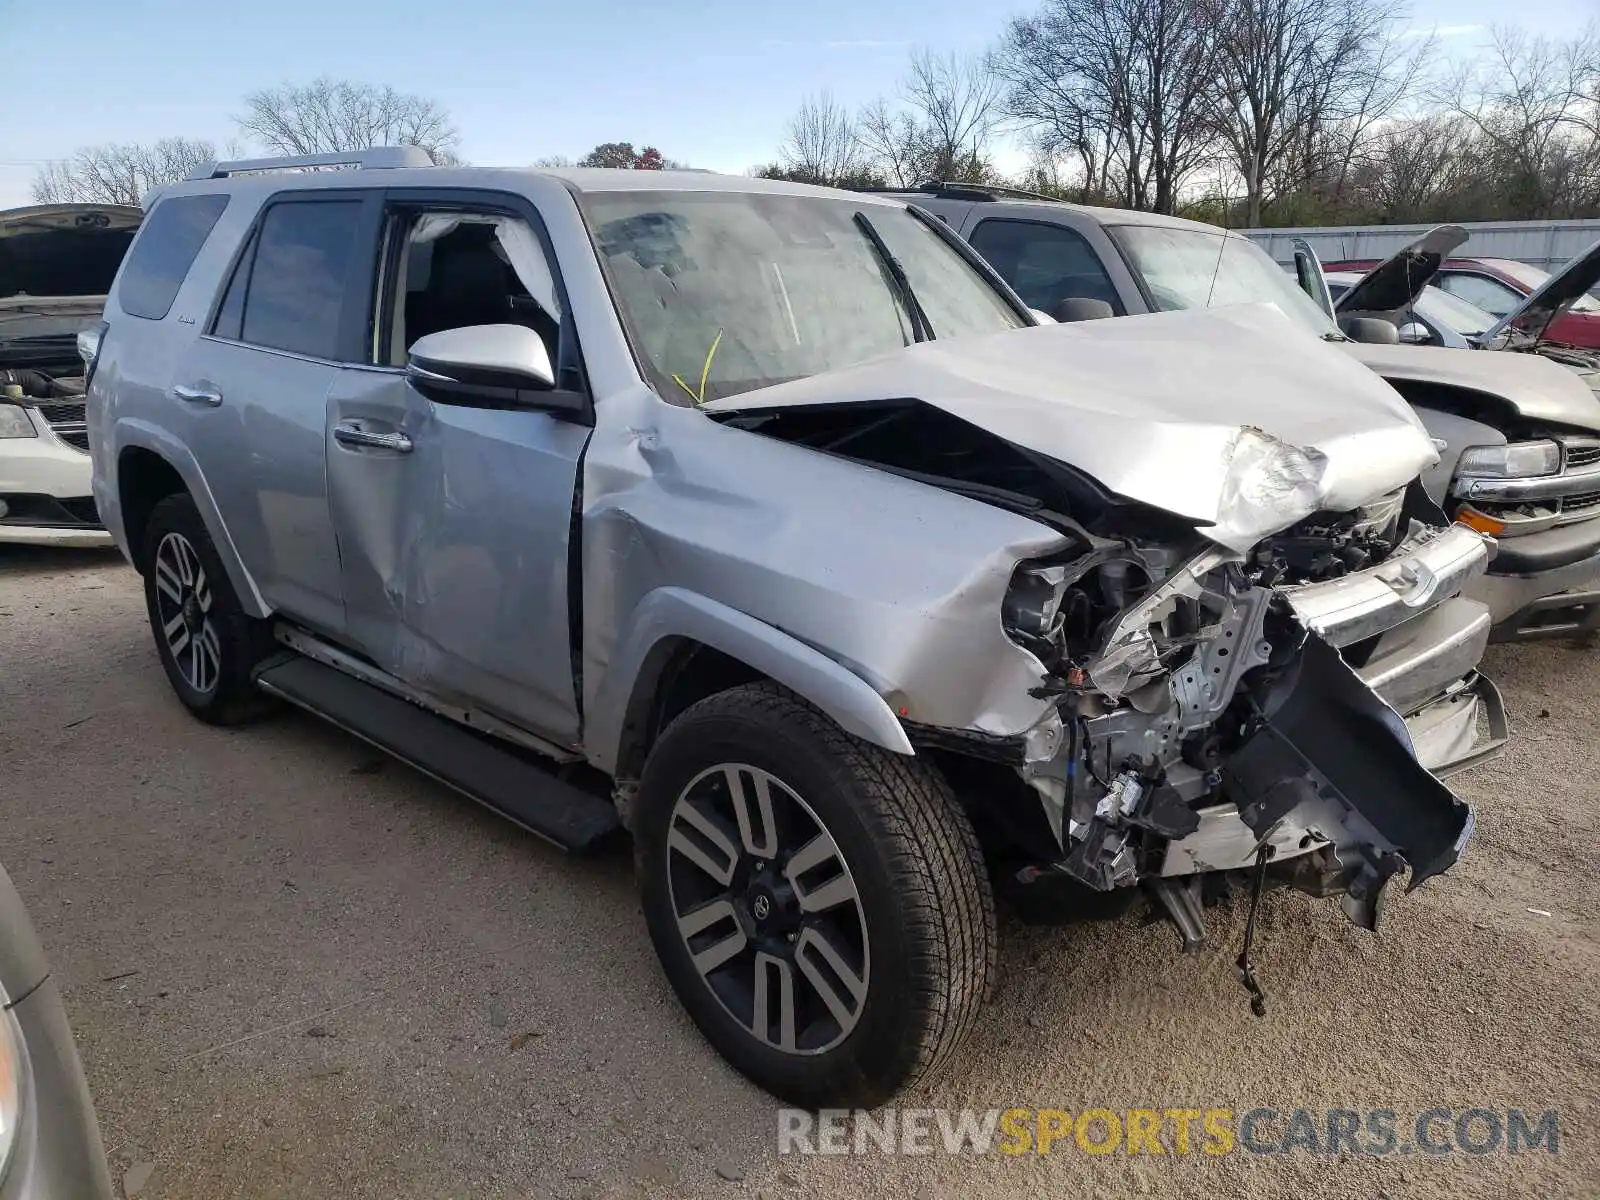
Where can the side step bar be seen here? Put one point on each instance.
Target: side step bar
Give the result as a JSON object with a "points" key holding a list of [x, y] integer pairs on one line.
{"points": [[493, 775]]}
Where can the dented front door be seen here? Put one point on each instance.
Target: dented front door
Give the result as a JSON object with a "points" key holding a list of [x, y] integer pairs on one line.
{"points": [[453, 527]]}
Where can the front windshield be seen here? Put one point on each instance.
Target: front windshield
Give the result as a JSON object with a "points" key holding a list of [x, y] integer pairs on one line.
{"points": [[1455, 312], [726, 292], [1534, 278], [1198, 268]]}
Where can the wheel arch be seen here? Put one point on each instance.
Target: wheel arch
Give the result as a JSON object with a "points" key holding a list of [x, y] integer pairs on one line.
{"points": [[151, 465], [681, 647]]}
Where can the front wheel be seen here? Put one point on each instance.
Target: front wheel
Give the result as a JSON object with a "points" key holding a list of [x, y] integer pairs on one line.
{"points": [[819, 904], [208, 645]]}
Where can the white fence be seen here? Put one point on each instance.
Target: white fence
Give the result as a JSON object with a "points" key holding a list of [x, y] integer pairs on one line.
{"points": [[1546, 244]]}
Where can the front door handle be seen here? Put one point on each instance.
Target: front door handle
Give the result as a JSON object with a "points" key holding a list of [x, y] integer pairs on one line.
{"points": [[198, 395], [350, 433]]}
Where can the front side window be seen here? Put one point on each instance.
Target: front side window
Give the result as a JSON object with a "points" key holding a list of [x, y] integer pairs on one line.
{"points": [[726, 292], [163, 252], [294, 299], [454, 269], [1491, 295], [1044, 264], [1196, 268]]}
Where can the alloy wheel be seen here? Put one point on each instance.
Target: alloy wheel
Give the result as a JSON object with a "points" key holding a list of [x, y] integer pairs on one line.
{"points": [[183, 611], [766, 905]]}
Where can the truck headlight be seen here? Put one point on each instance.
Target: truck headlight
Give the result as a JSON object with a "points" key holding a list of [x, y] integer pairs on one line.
{"points": [[14, 422], [1515, 460], [13, 1066]]}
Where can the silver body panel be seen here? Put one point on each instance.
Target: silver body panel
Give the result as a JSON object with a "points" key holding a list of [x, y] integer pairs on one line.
{"points": [[534, 567]]}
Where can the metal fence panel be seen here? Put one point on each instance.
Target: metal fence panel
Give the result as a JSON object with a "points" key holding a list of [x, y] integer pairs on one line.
{"points": [[1547, 244]]}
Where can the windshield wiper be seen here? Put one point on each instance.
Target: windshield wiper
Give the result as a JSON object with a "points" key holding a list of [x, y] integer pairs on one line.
{"points": [[921, 327]]}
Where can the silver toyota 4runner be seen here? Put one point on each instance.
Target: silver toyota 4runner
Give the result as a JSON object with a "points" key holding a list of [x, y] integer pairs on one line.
{"points": [[762, 521]]}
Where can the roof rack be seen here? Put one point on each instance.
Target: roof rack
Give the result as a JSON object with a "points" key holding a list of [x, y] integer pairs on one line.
{"points": [[956, 190], [377, 158]]}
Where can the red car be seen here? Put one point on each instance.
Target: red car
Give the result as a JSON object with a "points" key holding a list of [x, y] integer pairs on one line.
{"points": [[1500, 286]]}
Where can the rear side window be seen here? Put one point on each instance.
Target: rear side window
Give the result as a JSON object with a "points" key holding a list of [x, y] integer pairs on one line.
{"points": [[164, 251], [1044, 264], [294, 291]]}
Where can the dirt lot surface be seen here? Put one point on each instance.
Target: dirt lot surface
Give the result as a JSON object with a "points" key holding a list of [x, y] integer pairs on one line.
{"points": [[298, 969]]}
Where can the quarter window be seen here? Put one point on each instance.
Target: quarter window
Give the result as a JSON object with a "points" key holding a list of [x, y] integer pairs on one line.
{"points": [[1044, 264], [164, 251], [294, 296]]}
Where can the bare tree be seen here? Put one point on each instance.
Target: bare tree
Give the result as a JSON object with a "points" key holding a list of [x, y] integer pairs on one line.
{"points": [[891, 142], [1124, 84], [328, 116], [1532, 102], [955, 106], [1300, 81], [119, 173], [819, 144], [1065, 113]]}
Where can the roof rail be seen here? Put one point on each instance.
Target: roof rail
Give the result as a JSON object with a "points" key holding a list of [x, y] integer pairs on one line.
{"points": [[379, 157], [956, 190], [984, 191]]}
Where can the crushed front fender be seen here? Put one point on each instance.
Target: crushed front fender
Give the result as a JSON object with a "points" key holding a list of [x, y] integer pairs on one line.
{"points": [[1324, 752]]}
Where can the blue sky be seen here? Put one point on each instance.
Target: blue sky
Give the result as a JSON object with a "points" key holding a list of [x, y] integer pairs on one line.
{"points": [[708, 81]]}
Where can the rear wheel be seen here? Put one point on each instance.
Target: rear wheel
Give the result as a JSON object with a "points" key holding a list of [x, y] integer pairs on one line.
{"points": [[818, 903], [207, 645]]}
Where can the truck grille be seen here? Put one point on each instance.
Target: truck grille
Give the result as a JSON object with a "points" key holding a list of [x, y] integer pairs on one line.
{"points": [[66, 421], [1581, 452], [1582, 502]]}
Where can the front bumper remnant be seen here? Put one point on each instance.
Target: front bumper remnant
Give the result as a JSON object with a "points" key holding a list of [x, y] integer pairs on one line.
{"points": [[1330, 757]]}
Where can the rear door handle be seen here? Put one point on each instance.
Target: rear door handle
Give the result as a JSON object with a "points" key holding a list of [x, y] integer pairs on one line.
{"points": [[198, 395], [350, 433]]}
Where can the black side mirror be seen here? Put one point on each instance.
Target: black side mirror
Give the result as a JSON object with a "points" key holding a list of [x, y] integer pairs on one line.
{"points": [[1082, 308], [1374, 331]]}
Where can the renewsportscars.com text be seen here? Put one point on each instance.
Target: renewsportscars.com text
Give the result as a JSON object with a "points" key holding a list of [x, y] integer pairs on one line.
{"points": [[1155, 1131]]}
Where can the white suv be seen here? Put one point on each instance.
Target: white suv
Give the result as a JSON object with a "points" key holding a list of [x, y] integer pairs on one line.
{"points": [[57, 262]]}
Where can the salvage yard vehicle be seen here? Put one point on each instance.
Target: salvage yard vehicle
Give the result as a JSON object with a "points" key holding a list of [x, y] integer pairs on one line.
{"points": [[770, 510], [49, 1139], [57, 262], [1504, 287], [1519, 439], [1433, 318]]}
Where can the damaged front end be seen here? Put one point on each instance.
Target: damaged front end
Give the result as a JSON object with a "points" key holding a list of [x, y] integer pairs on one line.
{"points": [[1204, 721]]}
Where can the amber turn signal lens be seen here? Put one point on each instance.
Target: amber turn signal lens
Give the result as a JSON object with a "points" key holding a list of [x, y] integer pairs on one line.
{"points": [[1473, 519]]}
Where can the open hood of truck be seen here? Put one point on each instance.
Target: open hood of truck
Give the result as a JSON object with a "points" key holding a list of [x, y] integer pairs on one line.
{"points": [[1236, 419], [1536, 388], [1398, 280], [59, 258], [1525, 327]]}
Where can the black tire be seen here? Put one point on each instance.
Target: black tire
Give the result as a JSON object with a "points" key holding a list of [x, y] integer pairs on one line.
{"points": [[925, 906], [218, 689]]}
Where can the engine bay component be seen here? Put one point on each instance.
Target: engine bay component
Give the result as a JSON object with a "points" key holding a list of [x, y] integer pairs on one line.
{"points": [[1211, 723]]}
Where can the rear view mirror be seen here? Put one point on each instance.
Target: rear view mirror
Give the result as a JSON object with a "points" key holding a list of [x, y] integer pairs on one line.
{"points": [[1372, 330], [488, 366], [1081, 308], [1414, 333]]}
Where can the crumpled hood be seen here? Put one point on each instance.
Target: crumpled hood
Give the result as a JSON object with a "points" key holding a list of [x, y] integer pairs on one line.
{"points": [[1234, 418], [1538, 389]]}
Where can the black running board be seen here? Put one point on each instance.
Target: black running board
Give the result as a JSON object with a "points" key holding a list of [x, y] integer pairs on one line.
{"points": [[498, 777]]}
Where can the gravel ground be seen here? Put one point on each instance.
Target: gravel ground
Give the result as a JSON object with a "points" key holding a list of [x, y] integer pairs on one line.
{"points": [[298, 969]]}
